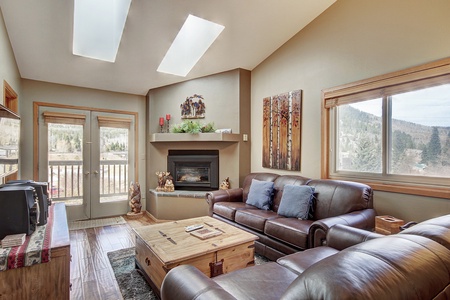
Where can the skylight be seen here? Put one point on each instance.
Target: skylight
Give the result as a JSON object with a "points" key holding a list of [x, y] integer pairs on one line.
{"points": [[98, 27], [194, 38]]}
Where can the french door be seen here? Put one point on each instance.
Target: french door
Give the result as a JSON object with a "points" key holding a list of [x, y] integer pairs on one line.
{"points": [[88, 159]]}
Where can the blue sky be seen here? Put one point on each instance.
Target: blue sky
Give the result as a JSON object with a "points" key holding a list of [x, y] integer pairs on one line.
{"points": [[430, 106]]}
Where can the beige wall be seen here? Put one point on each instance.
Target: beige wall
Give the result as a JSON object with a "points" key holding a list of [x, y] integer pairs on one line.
{"points": [[350, 41], [8, 67], [221, 94], [227, 99], [36, 91]]}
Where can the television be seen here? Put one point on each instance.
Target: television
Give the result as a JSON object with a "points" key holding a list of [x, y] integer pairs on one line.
{"points": [[9, 141]]}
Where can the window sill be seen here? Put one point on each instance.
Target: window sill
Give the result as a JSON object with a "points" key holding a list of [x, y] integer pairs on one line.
{"points": [[418, 190]]}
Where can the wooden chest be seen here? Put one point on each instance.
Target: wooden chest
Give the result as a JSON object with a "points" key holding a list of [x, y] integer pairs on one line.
{"points": [[388, 224], [161, 247]]}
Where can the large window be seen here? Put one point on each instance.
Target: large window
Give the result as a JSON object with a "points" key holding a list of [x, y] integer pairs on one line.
{"points": [[392, 131]]}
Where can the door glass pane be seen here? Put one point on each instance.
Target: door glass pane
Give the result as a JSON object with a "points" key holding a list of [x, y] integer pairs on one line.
{"points": [[420, 135], [359, 140], [113, 164], [65, 162]]}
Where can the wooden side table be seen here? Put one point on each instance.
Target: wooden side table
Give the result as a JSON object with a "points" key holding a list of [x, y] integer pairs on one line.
{"points": [[388, 224]]}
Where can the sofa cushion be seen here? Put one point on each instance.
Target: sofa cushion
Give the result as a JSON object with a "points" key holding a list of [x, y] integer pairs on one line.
{"points": [[279, 184], [260, 194], [295, 201], [300, 261], [437, 229], [335, 197], [228, 209], [289, 230], [254, 218], [259, 176], [267, 281]]}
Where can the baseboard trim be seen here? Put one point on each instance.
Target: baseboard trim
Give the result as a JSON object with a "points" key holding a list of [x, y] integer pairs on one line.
{"points": [[155, 219]]}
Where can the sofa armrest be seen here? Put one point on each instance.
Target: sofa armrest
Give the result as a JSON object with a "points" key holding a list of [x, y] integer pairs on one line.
{"points": [[230, 195], [364, 219], [186, 282], [341, 236]]}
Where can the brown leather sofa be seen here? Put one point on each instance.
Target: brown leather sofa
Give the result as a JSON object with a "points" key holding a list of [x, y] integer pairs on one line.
{"points": [[336, 202], [355, 264]]}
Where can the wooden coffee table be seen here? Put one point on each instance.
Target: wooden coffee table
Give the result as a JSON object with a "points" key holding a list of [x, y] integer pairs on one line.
{"points": [[161, 247]]}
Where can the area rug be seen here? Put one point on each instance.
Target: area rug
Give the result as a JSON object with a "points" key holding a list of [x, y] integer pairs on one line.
{"points": [[76, 225], [131, 282]]}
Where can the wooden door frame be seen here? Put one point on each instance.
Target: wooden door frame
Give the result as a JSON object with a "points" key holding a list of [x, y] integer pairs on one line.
{"points": [[11, 101], [10, 98]]}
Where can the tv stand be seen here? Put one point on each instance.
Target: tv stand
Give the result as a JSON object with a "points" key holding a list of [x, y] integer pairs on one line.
{"points": [[48, 280]]}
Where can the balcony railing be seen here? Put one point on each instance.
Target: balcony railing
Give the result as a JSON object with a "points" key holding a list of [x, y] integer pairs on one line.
{"points": [[66, 179]]}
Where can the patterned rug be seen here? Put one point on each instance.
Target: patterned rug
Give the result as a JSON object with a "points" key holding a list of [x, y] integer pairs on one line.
{"points": [[75, 225], [131, 283]]}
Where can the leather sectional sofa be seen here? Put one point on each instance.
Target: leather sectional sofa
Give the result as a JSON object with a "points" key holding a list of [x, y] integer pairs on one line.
{"points": [[355, 264], [336, 202]]}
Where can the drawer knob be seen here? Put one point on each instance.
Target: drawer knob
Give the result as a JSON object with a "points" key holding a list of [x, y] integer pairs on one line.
{"points": [[147, 261]]}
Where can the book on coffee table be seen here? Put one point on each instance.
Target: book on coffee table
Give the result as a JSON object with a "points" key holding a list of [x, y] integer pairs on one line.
{"points": [[205, 233]]}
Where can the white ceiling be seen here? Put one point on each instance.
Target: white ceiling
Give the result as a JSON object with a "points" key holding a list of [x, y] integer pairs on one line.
{"points": [[41, 37]]}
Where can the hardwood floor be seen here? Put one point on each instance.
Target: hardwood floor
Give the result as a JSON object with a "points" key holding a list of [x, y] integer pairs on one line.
{"points": [[91, 274]]}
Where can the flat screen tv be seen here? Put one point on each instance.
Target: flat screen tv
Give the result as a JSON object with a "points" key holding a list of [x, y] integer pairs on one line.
{"points": [[9, 141]]}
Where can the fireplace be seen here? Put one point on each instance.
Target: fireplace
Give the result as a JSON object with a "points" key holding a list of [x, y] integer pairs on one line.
{"points": [[194, 169]]}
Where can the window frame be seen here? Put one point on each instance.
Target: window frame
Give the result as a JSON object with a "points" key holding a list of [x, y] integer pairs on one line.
{"points": [[426, 75]]}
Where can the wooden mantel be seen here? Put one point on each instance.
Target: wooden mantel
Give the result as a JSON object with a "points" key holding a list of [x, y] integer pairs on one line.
{"points": [[200, 137]]}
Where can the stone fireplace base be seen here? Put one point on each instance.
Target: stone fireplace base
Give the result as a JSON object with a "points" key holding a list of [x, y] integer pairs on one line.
{"points": [[177, 205]]}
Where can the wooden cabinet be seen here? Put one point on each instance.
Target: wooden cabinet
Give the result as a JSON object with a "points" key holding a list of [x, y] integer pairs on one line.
{"points": [[48, 280]]}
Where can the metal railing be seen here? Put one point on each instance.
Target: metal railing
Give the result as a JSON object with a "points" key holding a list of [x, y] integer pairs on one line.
{"points": [[66, 178]]}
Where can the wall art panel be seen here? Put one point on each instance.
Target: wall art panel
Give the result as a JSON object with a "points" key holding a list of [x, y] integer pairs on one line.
{"points": [[282, 131]]}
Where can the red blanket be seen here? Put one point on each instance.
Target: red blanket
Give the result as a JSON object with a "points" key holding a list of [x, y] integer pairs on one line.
{"points": [[35, 249]]}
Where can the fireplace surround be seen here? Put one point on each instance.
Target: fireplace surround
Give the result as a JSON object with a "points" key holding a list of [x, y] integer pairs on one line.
{"points": [[194, 169]]}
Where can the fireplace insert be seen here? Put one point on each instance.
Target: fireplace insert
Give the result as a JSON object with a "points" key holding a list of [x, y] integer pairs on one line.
{"points": [[194, 169]]}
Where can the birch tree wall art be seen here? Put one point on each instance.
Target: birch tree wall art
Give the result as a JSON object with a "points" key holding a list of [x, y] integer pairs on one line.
{"points": [[282, 131]]}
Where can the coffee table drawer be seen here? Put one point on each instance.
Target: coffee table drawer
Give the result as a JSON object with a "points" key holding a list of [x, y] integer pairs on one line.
{"points": [[150, 263]]}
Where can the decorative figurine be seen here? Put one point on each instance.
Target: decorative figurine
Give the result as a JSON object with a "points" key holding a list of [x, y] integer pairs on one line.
{"points": [[168, 186], [225, 184], [135, 199], [165, 182], [161, 180]]}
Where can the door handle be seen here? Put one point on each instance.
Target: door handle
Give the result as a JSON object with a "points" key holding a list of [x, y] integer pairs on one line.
{"points": [[87, 173], [95, 172]]}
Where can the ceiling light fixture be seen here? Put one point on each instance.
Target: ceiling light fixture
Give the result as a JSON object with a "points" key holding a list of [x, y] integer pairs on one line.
{"points": [[98, 27], [194, 38]]}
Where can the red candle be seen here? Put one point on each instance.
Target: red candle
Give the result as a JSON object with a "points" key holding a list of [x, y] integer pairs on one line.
{"points": [[167, 117], [161, 121]]}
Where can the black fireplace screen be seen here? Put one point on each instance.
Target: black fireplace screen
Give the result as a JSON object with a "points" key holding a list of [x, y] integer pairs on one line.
{"points": [[194, 169], [192, 174]]}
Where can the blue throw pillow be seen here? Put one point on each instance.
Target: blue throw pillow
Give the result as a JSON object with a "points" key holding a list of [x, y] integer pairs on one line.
{"points": [[260, 194], [295, 201]]}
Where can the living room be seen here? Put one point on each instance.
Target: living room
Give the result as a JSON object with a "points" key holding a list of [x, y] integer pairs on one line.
{"points": [[350, 41]]}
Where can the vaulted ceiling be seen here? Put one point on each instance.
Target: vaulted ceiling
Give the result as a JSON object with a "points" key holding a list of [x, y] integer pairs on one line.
{"points": [[41, 37]]}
